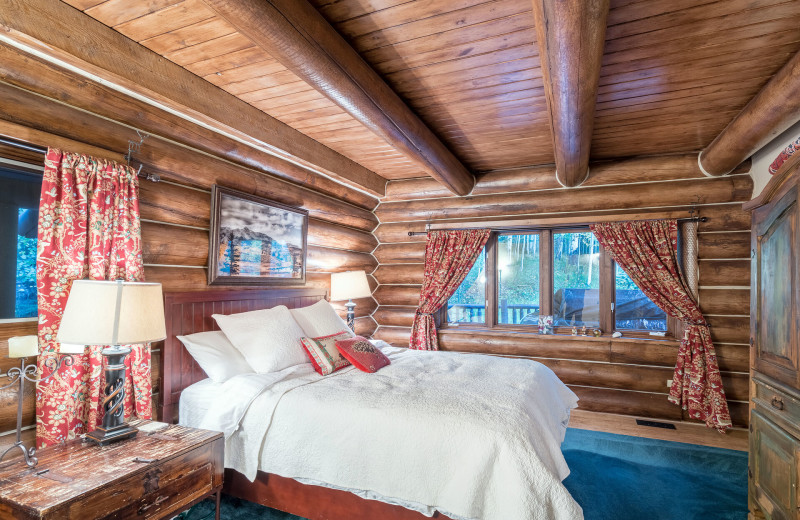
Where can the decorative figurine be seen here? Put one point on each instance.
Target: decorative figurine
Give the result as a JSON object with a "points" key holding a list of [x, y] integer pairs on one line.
{"points": [[574, 330], [597, 333], [583, 330]]}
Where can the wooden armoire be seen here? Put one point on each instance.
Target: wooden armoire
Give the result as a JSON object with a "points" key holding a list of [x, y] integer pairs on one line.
{"points": [[774, 464]]}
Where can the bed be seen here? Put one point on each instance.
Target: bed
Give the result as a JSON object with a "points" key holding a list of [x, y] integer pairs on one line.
{"points": [[425, 434]]}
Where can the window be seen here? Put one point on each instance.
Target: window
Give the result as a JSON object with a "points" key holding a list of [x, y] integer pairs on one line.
{"points": [[468, 303], [19, 216], [559, 272]]}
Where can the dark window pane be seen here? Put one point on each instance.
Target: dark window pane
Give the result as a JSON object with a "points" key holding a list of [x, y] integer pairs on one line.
{"points": [[468, 303], [19, 216], [634, 310], [576, 281], [518, 279]]}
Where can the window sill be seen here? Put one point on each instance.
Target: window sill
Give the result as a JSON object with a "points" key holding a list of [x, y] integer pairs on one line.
{"points": [[510, 331]]}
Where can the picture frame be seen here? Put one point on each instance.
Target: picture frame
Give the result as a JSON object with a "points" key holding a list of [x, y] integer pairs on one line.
{"points": [[255, 241]]}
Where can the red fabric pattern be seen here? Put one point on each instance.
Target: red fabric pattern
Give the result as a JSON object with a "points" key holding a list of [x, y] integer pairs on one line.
{"points": [[648, 252], [449, 255], [362, 354], [784, 156], [88, 228]]}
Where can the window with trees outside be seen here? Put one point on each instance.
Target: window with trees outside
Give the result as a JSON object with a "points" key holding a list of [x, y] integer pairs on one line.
{"points": [[559, 272]]}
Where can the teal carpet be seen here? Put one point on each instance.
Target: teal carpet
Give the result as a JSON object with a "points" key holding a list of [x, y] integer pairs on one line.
{"points": [[613, 477]]}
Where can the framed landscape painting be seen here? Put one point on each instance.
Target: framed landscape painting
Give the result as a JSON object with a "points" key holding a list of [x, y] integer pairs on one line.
{"points": [[255, 241]]}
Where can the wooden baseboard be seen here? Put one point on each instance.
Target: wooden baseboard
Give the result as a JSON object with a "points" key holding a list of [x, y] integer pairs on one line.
{"points": [[691, 433]]}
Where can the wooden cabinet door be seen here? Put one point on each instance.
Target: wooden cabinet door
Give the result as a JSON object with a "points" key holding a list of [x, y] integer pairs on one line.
{"points": [[774, 464], [775, 274]]}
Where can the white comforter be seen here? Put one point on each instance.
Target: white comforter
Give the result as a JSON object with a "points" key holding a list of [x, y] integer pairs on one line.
{"points": [[475, 437]]}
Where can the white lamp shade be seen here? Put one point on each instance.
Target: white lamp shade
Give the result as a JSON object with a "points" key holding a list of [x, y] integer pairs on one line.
{"points": [[23, 346], [349, 285], [112, 313]]}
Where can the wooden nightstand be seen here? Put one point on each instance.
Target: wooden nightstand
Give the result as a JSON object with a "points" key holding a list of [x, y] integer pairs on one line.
{"points": [[150, 476]]}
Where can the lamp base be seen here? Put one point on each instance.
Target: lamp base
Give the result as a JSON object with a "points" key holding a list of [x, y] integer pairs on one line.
{"points": [[103, 437]]}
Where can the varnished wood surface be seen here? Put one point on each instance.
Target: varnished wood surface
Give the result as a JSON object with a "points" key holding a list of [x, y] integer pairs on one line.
{"points": [[774, 109], [87, 481], [570, 36], [295, 34]]}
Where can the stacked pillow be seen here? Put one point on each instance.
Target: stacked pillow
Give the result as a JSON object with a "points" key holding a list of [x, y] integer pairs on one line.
{"points": [[271, 340]]}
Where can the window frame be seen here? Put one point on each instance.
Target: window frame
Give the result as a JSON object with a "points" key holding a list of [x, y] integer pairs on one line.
{"points": [[607, 289]]}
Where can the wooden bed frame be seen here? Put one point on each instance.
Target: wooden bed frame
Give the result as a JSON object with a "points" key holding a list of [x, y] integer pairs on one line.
{"points": [[190, 312]]}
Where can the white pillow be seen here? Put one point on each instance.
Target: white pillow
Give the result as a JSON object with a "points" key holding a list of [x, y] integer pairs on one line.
{"points": [[268, 339], [216, 355], [319, 320]]}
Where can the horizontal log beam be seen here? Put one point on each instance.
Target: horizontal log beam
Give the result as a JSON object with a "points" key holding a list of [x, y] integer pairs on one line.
{"points": [[397, 294], [723, 245], [570, 36], [404, 253], [295, 34], [603, 198], [725, 301], [395, 274], [774, 109], [53, 82], [364, 307], [66, 36], [725, 273], [395, 336], [722, 217]]}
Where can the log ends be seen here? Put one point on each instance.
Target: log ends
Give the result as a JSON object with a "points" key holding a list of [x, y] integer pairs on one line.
{"points": [[571, 36], [774, 109]]}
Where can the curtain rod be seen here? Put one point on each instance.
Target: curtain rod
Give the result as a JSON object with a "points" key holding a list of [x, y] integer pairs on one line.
{"points": [[40, 150], [420, 233]]}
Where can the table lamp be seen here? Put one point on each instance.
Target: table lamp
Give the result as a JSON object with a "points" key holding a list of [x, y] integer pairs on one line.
{"points": [[113, 313], [22, 347], [349, 285]]}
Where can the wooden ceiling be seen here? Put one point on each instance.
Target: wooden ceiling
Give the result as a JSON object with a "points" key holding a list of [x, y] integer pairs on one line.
{"points": [[674, 73]]}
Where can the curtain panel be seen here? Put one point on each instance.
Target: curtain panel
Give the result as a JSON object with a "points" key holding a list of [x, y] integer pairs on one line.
{"points": [[648, 252], [449, 255], [88, 228]]}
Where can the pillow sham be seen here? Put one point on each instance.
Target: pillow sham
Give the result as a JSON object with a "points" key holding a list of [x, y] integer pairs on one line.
{"points": [[320, 319], [269, 339], [362, 354], [323, 352], [215, 354]]}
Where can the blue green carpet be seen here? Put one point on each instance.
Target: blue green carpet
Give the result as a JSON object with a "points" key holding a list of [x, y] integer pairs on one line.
{"points": [[613, 477]]}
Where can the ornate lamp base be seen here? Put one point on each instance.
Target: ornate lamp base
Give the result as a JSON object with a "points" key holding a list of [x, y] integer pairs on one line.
{"points": [[114, 427], [351, 314]]}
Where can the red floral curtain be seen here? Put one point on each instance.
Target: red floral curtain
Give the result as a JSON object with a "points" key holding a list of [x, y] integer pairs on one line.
{"points": [[449, 255], [88, 228], [648, 252]]}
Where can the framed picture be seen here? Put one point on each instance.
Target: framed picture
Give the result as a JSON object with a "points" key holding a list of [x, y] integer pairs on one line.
{"points": [[255, 241]]}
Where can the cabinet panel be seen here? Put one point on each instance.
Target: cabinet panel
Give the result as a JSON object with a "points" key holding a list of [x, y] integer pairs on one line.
{"points": [[774, 466], [775, 286]]}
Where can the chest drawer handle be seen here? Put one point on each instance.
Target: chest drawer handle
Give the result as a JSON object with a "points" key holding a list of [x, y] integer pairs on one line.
{"points": [[777, 403], [155, 503]]}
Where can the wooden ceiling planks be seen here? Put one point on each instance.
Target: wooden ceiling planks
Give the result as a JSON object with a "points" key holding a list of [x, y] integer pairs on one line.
{"points": [[673, 73]]}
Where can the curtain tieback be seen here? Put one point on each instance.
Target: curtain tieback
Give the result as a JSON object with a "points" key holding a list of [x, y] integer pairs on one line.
{"points": [[418, 313]]}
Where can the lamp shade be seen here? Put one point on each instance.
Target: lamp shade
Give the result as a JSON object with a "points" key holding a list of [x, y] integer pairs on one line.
{"points": [[349, 285], [23, 346], [113, 313]]}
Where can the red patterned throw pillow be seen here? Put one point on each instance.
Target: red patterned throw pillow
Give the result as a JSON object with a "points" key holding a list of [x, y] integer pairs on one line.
{"points": [[362, 354], [323, 352]]}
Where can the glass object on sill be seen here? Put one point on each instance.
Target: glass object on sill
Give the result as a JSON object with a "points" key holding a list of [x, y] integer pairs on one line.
{"points": [[19, 216], [576, 280], [518, 279], [545, 323], [633, 310], [468, 303]]}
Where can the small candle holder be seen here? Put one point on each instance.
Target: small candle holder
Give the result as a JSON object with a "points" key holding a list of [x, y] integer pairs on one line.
{"points": [[27, 373]]}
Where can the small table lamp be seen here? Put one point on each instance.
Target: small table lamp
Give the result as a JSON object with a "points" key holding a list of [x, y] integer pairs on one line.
{"points": [[22, 347], [349, 285], [113, 313]]}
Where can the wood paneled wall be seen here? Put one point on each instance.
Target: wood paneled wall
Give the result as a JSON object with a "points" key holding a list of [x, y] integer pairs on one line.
{"points": [[175, 212], [625, 375]]}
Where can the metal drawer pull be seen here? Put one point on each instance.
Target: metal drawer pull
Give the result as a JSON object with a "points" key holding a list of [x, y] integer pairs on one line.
{"points": [[155, 503], [777, 402]]}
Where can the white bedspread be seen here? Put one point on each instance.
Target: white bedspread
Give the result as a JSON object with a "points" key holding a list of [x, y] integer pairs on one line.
{"points": [[475, 437]]}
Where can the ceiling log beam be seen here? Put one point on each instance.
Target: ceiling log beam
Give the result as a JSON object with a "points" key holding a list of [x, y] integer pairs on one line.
{"points": [[571, 35], [773, 110], [295, 34], [68, 38]]}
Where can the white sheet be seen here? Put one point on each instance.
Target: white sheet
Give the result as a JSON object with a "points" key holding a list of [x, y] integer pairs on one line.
{"points": [[475, 437]]}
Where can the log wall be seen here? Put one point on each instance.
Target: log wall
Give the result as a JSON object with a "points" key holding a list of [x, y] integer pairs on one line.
{"points": [[175, 212], [624, 376]]}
